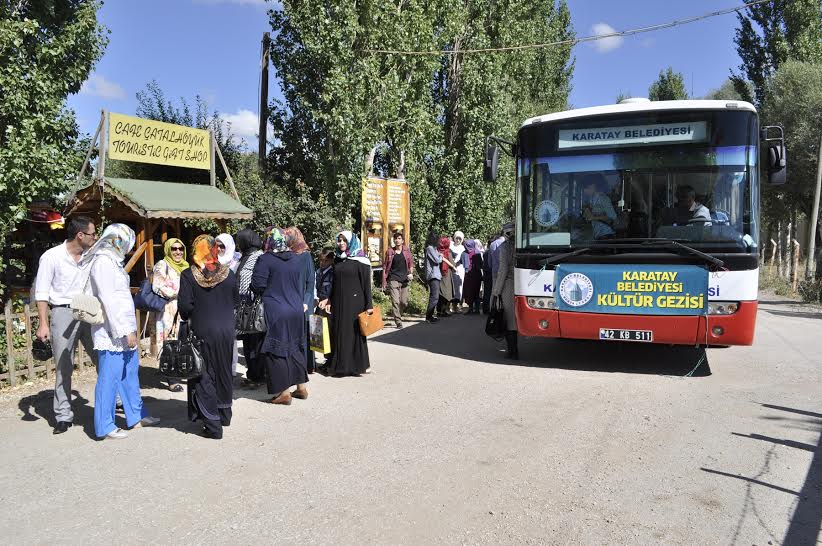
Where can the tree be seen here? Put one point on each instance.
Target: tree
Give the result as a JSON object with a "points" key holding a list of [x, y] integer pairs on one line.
{"points": [[432, 111], [728, 91], [621, 96], [771, 33], [793, 99], [47, 50], [669, 85]]}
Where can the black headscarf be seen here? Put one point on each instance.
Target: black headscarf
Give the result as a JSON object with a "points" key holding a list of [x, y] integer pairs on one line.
{"points": [[248, 241]]}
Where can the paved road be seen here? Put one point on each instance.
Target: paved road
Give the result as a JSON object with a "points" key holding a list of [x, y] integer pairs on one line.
{"points": [[447, 442]]}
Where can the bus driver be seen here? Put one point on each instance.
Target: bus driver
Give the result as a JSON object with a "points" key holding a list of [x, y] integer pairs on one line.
{"points": [[687, 209]]}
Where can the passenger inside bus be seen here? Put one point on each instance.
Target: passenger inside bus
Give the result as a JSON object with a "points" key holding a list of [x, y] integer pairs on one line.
{"points": [[597, 207], [687, 209]]}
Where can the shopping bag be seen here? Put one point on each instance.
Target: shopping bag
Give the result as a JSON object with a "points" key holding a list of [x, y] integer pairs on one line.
{"points": [[319, 338]]}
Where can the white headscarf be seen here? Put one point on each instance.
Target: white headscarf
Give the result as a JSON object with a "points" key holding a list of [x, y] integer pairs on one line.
{"points": [[458, 249], [354, 250], [116, 241], [228, 242]]}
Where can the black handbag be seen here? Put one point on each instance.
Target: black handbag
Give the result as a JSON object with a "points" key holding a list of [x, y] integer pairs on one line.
{"points": [[495, 326], [182, 358], [250, 315], [148, 300]]}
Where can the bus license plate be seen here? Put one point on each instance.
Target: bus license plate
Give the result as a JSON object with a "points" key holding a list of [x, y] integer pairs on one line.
{"points": [[626, 335]]}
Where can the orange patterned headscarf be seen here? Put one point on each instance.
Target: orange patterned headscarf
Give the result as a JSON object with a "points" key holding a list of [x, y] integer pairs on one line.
{"points": [[205, 252]]}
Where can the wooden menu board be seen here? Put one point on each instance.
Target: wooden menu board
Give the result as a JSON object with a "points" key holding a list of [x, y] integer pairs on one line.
{"points": [[386, 207]]}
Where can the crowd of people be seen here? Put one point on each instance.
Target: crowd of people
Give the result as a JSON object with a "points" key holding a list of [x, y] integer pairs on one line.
{"points": [[205, 283]]}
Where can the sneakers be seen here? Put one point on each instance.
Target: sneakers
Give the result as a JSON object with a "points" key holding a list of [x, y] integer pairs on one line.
{"points": [[147, 422], [432, 320], [117, 434]]}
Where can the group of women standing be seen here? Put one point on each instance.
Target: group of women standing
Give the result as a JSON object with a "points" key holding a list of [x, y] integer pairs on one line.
{"points": [[280, 271], [454, 274]]}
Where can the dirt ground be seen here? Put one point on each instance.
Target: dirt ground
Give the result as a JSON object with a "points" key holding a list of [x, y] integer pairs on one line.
{"points": [[448, 442]]}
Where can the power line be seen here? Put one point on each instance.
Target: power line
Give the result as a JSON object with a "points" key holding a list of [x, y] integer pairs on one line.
{"points": [[574, 41]]}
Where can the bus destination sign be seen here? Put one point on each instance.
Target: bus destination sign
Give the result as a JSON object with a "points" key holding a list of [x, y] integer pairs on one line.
{"points": [[633, 135], [632, 290]]}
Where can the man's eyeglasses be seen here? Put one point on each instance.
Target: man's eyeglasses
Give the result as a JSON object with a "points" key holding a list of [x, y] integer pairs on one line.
{"points": [[92, 234]]}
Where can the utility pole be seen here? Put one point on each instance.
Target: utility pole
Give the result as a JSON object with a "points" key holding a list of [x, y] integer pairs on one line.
{"points": [[810, 264], [263, 127]]}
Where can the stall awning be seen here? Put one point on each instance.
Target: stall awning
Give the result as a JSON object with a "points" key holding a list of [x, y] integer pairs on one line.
{"points": [[155, 199]]}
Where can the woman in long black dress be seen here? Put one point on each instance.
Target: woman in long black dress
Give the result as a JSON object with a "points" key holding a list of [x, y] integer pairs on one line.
{"points": [[350, 296], [250, 246], [207, 297], [281, 278]]}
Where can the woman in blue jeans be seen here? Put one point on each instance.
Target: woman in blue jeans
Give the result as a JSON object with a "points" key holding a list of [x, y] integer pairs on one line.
{"points": [[115, 339]]}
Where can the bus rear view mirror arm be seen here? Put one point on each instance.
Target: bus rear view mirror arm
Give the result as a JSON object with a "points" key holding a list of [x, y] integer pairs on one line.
{"points": [[490, 166], [777, 161]]}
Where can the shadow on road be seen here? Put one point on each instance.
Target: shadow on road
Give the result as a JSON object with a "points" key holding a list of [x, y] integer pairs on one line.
{"points": [[807, 517], [464, 337], [796, 314]]}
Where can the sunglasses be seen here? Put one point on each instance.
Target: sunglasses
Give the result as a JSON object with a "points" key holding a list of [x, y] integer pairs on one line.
{"points": [[220, 245], [177, 249]]}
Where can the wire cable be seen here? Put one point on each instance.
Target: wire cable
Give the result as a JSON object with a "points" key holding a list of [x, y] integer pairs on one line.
{"points": [[573, 41]]}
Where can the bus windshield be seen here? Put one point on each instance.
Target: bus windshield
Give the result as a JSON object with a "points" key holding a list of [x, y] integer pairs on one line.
{"points": [[702, 195]]}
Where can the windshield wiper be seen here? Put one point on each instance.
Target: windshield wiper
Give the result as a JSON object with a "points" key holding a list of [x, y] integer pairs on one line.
{"points": [[676, 244], [562, 257]]}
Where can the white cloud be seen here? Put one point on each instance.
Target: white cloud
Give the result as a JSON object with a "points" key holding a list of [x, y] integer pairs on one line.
{"points": [[245, 126], [98, 86], [605, 45]]}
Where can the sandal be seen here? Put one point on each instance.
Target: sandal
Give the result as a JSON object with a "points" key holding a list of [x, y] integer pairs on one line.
{"points": [[176, 388]]}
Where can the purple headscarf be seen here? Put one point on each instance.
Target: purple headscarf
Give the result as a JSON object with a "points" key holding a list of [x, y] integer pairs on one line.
{"points": [[471, 248]]}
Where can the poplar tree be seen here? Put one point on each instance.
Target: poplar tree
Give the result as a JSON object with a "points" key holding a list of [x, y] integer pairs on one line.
{"points": [[669, 85], [428, 112]]}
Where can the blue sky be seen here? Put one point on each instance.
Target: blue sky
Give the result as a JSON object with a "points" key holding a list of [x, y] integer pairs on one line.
{"points": [[211, 48]]}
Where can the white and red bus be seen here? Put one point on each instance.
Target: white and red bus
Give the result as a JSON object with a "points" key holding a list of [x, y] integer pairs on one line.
{"points": [[640, 221]]}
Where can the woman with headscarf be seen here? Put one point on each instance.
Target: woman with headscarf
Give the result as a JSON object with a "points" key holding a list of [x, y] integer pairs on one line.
{"points": [[165, 281], [208, 296], [447, 268], [472, 259], [115, 340], [250, 246], [296, 243], [457, 252], [350, 296], [280, 277], [225, 251]]}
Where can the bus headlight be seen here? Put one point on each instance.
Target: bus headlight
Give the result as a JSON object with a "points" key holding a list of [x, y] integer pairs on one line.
{"points": [[722, 307], [540, 303]]}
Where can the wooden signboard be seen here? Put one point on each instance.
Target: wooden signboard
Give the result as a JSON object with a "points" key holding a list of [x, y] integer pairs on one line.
{"points": [[386, 208]]}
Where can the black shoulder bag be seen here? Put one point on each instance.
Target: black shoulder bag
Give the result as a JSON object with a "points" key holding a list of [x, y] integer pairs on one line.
{"points": [[495, 326], [182, 358]]}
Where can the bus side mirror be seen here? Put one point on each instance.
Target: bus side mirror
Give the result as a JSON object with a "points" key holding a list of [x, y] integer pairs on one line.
{"points": [[777, 158], [491, 164]]}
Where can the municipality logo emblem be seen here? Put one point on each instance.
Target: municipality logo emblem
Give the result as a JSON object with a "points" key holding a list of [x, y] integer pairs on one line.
{"points": [[576, 289]]}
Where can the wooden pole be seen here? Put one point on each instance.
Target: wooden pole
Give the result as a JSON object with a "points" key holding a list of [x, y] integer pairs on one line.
{"points": [[136, 257], [10, 365], [773, 257], [86, 161], [212, 146], [795, 265], [103, 147], [227, 173], [263, 125], [810, 264]]}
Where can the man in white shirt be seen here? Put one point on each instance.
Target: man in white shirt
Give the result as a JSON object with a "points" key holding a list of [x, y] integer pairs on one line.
{"points": [[59, 278]]}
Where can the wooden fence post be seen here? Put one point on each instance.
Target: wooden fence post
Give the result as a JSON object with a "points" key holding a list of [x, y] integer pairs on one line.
{"points": [[29, 357], [10, 345]]}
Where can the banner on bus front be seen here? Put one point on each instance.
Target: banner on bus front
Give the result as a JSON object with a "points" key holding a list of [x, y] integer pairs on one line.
{"points": [[632, 289]]}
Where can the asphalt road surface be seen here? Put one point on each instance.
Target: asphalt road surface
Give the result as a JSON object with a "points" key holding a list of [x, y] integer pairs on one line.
{"points": [[447, 442]]}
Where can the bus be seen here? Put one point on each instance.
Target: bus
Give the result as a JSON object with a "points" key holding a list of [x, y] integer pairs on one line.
{"points": [[639, 221]]}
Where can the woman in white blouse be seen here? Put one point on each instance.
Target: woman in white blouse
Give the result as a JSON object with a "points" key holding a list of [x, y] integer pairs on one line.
{"points": [[116, 339]]}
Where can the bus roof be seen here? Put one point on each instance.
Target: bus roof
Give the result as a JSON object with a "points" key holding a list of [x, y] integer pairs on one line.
{"points": [[643, 106]]}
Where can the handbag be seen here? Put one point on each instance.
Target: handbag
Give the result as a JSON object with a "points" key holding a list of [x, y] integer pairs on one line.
{"points": [[41, 350], [86, 307], [319, 339], [370, 323], [148, 300], [495, 326], [250, 315], [182, 358]]}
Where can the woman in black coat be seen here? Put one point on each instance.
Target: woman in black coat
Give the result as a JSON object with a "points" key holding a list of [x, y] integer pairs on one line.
{"points": [[350, 296], [207, 297]]}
